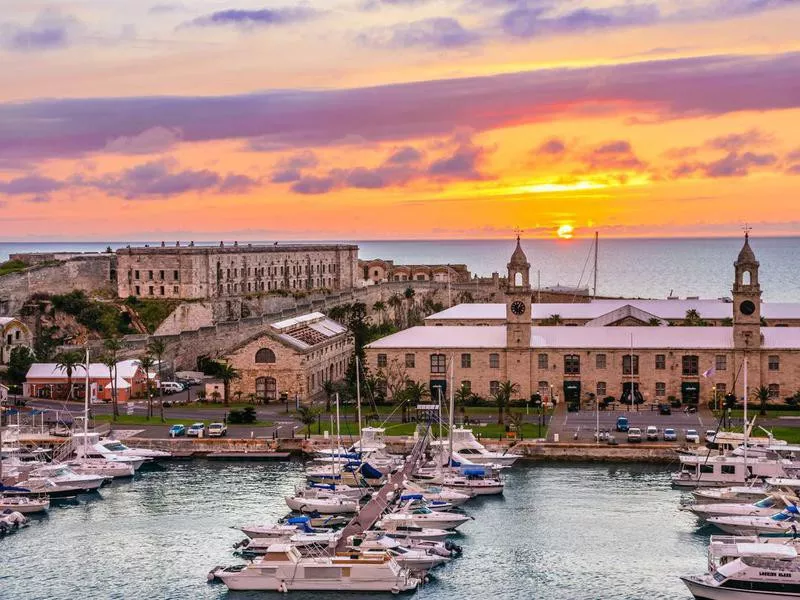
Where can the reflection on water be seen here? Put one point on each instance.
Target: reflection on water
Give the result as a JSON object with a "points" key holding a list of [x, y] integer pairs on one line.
{"points": [[581, 532]]}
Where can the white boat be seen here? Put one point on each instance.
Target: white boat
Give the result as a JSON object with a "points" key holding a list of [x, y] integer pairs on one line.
{"points": [[284, 569], [470, 450], [404, 530], [11, 520], [714, 471], [116, 448], [472, 483], [325, 504], [58, 477], [281, 531], [782, 524], [346, 491], [102, 467], [743, 569], [416, 559], [735, 494], [437, 494], [765, 507], [424, 517], [24, 504], [301, 541]]}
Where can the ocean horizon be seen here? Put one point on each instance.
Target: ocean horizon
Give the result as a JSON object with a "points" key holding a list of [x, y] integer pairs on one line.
{"points": [[654, 267]]}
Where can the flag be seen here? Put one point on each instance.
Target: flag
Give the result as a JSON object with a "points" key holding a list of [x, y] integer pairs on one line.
{"points": [[710, 373]]}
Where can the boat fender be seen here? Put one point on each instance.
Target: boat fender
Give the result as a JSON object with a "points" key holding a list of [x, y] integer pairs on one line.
{"points": [[282, 587]]}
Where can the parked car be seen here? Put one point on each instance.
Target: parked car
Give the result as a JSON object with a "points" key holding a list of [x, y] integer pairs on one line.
{"points": [[634, 435], [652, 433], [217, 430], [711, 435], [177, 431], [692, 436], [196, 430], [664, 409], [670, 435], [622, 424], [172, 387]]}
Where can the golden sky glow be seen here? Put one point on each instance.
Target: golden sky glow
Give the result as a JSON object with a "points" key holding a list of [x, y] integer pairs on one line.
{"points": [[369, 119]]}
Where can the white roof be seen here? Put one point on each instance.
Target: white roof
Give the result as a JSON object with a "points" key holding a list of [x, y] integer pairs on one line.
{"points": [[666, 309], [287, 323], [295, 331], [126, 369], [494, 336], [7, 320]]}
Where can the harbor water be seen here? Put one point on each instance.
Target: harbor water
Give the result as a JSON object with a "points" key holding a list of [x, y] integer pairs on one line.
{"points": [[566, 532]]}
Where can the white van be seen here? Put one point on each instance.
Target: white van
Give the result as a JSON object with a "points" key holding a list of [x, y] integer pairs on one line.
{"points": [[171, 387]]}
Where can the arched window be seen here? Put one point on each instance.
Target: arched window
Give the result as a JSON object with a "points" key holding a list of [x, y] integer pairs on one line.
{"points": [[266, 388], [265, 355], [746, 278], [518, 279]]}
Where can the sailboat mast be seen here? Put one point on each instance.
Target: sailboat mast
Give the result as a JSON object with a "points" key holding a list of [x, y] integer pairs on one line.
{"points": [[86, 407], [452, 409], [745, 414], [358, 405], [338, 428], [596, 246]]}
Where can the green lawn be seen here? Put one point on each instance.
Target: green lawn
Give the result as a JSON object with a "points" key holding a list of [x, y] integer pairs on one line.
{"points": [[754, 410], [155, 420], [491, 431], [790, 434]]}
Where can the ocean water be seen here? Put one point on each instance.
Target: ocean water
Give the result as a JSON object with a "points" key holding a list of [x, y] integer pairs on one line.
{"points": [[647, 268], [575, 532]]}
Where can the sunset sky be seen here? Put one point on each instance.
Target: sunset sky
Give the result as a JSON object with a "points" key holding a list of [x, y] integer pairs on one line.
{"points": [[386, 119]]}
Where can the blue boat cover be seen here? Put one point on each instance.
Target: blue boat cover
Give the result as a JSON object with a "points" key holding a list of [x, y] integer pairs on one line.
{"points": [[11, 488], [370, 472], [297, 520], [474, 472], [323, 486], [411, 497]]}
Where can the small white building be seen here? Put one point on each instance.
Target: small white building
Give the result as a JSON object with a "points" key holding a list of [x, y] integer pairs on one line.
{"points": [[13, 333]]}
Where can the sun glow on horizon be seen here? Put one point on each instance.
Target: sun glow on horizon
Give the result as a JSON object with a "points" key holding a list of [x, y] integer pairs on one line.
{"points": [[566, 231]]}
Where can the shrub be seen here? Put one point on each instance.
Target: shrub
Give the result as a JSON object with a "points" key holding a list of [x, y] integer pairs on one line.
{"points": [[245, 416], [11, 266]]}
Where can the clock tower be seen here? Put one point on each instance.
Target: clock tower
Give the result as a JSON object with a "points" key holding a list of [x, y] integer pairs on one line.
{"points": [[518, 321], [746, 300]]}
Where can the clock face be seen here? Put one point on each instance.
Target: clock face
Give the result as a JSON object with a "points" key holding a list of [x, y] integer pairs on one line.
{"points": [[747, 307], [517, 307]]}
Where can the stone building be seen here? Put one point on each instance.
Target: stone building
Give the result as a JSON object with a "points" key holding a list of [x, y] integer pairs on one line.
{"points": [[202, 272], [688, 362], [381, 271], [293, 357], [13, 333]]}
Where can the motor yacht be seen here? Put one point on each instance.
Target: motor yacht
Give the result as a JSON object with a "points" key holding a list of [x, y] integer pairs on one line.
{"points": [[468, 449], [284, 569], [437, 494], [60, 480], [740, 568], [11, 520], [321, 501], [782, 524], [302, 541], [765, 507], [283, 530], [102, 467], [715, 471], [116, 448], [404, 530], [416, 559], [24, 504], [739, 494], [346, 491], [424, 517]]}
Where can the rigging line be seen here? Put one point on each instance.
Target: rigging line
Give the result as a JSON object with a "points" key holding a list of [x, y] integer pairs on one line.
{"points": [[585, 264]]}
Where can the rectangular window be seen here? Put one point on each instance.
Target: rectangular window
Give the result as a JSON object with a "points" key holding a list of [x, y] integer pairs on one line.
{"points": [[150, 289], [175, 289], [161, 290], [175, 275], [691, 365], [494, 361], [150, 275], [774, 362], [466, 361], [438, 363], [136, 274], [572, 364], [728, 469], [466, 385], [138, 290], [543, 361], [601, 389], [410, 360], [661, 389], [627, 359], [661, 361], [774, 390], [704, 468], [494, 387], [161, 275], [600, 361], [721, 362]]}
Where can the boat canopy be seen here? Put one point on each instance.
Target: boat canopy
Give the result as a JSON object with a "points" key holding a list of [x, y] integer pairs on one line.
{"points": [[370, 472], [474, 472], [12, 488], [297, 520], [411, 497]]}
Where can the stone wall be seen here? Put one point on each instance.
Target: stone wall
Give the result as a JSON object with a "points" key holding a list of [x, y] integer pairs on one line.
{"points": [[89, 273]]}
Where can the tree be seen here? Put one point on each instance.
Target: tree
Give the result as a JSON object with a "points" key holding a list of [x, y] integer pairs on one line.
{"points": [[19, 362], [693, 319], [330, 388], [553, 320], [112, 348], [147, 362], [727, 322], [308, 416], [414, 393], [517, 421], [380, 308], [761, 394], [409, 296], [654, 322], [156, 347], [69, 361], [227, 373], [215, 396], [396, 301], [502, 396], [461, 396], [238, 395]]}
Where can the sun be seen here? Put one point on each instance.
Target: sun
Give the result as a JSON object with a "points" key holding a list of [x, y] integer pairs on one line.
{"points": [[565, 232]]}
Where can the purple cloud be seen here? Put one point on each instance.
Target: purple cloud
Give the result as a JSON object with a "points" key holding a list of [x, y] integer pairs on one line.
{"points": [[738, 165], [237, 184], [404, 156], [30, 184], [737, 141], [665, 89], [286, 176], [552, 147], [249, 19], [530, 22], [311, 184], [433, 33], [49, 31]]}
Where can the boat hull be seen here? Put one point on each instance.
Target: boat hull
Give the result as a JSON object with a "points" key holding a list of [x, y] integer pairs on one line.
{"points": [[705, 591], [244, 582], [325, 508]]}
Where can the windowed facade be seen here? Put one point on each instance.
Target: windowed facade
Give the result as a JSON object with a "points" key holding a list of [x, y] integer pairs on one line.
{"points": [[466, 361], [721, 362], [381, 361], [543, 361], [438, 363], [690, 365], [494, 361], [630, 364], [774, 391], [601, 390], [600, 361], [544, 389], [466, 385], [494, 387], [411, 360], [661, 389], [264, 356], [774, 362], [572, 364], [661, 362]]}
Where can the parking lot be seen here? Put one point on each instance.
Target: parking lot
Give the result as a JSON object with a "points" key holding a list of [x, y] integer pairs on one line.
{"points": [[580, 426]]}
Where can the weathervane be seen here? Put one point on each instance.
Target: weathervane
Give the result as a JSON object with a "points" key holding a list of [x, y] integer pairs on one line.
{"points": [[747, 230], [518, 231]]}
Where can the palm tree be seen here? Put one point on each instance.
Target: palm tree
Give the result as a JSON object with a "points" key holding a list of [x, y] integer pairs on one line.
{"points": [[396, 301], [517, 421], [693, 319], [238, 395], [727, 322], [215, 396], [112, 346], [761, 394], [308, 416], [415, 393], [227, 373], [654, 322], [553, 320], [157, 348], [330, 390], [409, 296], [502, 396], [380, 308], [147, 362], [68, 362]]}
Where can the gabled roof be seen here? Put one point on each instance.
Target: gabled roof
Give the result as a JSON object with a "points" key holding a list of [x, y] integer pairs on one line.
{"points": [[126, 369], [623, 312]]}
